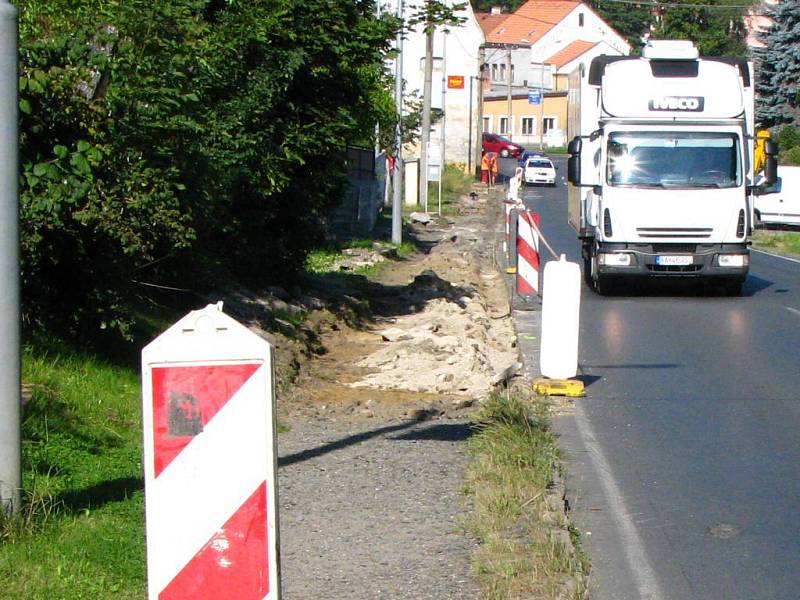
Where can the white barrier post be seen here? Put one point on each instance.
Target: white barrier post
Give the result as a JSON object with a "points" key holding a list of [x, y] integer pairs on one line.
{"points": [[560, 319], [210, 461]]}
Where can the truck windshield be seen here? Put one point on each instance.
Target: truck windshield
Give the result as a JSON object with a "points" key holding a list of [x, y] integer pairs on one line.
{"points": [[674, 159]]}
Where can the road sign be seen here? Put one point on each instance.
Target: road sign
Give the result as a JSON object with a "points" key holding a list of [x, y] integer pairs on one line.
{"points": [[455, 82], [210, 461], [534, 97]]}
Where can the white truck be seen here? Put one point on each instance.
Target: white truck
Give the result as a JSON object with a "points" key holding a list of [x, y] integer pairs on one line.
{"points": [[661, 166], [780, 207]]}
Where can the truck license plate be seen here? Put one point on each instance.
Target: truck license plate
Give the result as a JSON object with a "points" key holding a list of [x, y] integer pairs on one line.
{"points": [[674, 260]]}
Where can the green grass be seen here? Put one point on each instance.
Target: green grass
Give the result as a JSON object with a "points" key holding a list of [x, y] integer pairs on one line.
{"points": [[80, 530], [320, 262], [779, 242], [526, 547], [455, 183]]}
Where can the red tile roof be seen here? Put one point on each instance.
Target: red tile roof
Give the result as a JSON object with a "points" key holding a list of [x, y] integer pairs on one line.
{"points": [[531, 21], [570, 53], [488, 21]]}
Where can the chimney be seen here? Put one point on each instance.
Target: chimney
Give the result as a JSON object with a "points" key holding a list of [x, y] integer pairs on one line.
{"points": [[496, 10]]}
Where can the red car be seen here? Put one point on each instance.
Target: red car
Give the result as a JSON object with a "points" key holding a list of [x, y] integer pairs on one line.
{"points": [[502, 145]]}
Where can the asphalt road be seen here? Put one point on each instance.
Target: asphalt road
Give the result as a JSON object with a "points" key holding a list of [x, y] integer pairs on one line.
{"points": [[684, 458]]}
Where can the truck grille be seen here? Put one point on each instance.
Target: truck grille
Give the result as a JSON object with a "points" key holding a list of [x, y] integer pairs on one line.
{"points": [[674, 232]]}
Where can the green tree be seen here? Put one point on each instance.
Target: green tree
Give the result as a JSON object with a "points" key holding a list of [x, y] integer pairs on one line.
{"points": [[631, 21], [166, 143], [778, 83], [716, 30]]}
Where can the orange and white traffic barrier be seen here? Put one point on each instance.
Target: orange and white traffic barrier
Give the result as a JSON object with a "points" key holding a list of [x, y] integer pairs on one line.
{"points": [[210, 462], [527, 254]]}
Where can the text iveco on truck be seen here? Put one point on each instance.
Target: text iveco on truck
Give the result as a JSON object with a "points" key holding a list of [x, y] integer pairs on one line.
{"points": [[661, 165]]}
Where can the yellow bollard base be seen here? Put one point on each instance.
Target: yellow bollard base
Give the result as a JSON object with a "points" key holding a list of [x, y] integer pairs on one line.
{"points": [[559, 387], [511, 270]]}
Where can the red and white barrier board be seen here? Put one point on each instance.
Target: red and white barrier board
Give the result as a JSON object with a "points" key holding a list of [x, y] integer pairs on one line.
{"points": [[527, 254], [210, 462]]}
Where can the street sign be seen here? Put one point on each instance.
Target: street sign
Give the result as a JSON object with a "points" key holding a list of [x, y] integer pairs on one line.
{"points": [[210, 461], [455, 82], [534, 96]]}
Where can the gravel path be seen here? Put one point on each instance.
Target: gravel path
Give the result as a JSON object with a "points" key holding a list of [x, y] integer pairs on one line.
{"points": [[368, 510]]}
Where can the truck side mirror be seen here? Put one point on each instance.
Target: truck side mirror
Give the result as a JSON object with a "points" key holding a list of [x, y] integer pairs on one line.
{"points": [[771, 162], [574, 161]]}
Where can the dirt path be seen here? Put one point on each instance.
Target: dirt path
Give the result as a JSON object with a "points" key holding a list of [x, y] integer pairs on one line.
{"points": [[371, 469]]}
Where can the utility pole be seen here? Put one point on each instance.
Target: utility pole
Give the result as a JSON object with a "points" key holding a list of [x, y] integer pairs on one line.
{"points": [[426, 116], [479, 123], [10, 453], [397, 183], [510, 132], [541, 108]]}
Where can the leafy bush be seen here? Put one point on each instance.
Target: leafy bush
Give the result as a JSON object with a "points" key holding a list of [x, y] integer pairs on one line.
{"points": [[168, 144]]}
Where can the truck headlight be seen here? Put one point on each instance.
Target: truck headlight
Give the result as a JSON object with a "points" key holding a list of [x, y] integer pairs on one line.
{"points": [[615, 259], [733, 260]]}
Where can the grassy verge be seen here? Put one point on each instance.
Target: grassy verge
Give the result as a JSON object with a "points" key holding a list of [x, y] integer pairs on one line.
{"points": [[455, 183], [779, 242], [527, 548], [80, 531]]}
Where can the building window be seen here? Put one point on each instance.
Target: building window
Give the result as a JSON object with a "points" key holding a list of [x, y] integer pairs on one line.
{"points": [[548, 123], [502, 72], [494, 72], [528, 125], [580, 19], [504, 125], [512, 73], [487, 124]]}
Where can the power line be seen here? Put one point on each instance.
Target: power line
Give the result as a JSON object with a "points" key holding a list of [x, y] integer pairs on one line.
{"points": [[681, 4]]}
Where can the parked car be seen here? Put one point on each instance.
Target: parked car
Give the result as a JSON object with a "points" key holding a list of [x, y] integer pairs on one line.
{"points": [[523, 158], [782, 205], [540, 170], [502, 145]]}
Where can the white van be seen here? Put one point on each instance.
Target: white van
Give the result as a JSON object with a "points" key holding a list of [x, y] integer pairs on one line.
{"points": [[783, 206]]}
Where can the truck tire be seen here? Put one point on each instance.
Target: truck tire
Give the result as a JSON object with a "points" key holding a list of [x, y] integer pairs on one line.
{"points": [[604, 286]]}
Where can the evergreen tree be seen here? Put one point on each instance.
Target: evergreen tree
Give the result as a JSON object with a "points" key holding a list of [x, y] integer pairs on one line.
{"points": [[778, 84]]}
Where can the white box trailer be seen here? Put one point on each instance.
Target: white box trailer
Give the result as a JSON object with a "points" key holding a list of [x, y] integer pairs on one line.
{"points": [[661, 167]]}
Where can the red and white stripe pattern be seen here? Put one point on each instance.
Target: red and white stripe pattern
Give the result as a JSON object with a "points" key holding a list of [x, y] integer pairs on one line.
{"points": [[209, 467], [527, 254]]}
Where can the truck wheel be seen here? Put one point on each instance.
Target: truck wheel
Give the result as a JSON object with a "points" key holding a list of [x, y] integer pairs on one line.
{"points": [[757, 224], [587, 272], [604, 286]]}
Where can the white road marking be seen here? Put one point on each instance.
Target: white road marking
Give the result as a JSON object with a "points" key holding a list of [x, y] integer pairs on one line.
{"points": [[632, 545], [794, 311]]}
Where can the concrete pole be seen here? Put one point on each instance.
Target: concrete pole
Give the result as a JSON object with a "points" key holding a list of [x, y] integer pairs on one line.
{"points": [[397, 197], [10, 470], [442, 138], [479, 119]]}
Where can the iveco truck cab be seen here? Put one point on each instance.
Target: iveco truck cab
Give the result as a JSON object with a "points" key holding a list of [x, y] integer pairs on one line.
{"points": [[661, 166]]}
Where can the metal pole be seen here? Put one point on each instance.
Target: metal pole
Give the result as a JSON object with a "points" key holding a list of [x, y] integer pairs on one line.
{"points": [[479, 121], [10, 470], [541, 107], [469, 135], [444, 118], [510, 131], [397, 199]]}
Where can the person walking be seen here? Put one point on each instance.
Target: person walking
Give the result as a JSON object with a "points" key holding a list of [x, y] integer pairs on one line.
{"points": [[494, 168]]}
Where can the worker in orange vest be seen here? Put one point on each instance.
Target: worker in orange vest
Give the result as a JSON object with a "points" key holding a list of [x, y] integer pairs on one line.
{"points": [[485, 168], [494, 168]]}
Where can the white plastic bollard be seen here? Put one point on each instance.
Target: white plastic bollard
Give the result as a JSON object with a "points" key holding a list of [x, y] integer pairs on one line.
{"points": [[561, 301]]}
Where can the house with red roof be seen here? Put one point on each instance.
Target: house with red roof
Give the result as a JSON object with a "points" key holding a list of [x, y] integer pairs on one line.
{"points": [[527, 58]]}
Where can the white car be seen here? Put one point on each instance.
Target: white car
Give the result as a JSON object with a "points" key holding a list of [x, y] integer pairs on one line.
{"points": [[539, 169], [781, 205]]}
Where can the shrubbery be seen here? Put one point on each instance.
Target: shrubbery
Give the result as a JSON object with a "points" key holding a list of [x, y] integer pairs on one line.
{"points": [[171, 143]]}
